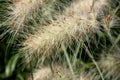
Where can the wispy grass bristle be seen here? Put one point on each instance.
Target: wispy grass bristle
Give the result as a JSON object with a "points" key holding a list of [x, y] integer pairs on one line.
{"points": [[78, 21]]}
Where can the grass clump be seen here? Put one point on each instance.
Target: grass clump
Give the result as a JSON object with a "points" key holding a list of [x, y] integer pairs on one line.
{"points": [[62, 39]]}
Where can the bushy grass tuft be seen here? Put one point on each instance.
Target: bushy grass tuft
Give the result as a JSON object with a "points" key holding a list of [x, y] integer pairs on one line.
{"points": [[61, 39]]}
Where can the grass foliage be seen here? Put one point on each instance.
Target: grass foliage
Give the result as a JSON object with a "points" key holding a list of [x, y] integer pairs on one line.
{"points": [[62, 39]]}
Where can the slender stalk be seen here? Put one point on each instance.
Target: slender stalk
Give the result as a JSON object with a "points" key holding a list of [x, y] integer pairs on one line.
{"points": [[92, 58]]}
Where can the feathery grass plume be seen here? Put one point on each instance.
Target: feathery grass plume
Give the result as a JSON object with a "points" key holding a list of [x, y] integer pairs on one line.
{"points": [[42, 74], [24, 15], [45, 73], [109, 65], [17, 17], [77, 22], [23, 10], [62, 74], [18, 12], [112, 21]]}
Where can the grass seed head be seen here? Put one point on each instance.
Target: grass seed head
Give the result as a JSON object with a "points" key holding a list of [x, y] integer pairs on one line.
{"points": [[22, 10], [75, 23]]}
